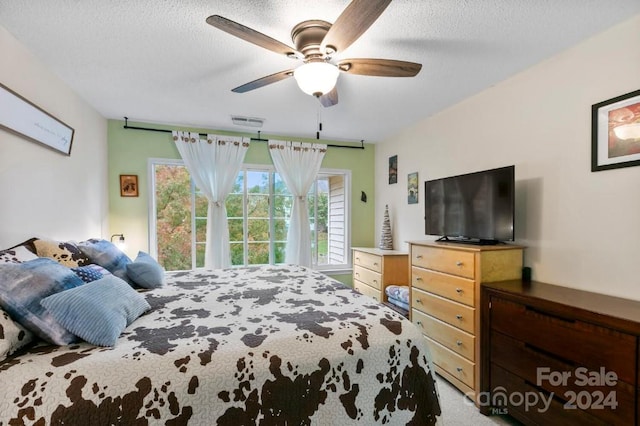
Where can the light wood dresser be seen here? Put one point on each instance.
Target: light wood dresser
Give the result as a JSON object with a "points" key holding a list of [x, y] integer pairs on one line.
{"points": [[445, 301], [375, 269]]}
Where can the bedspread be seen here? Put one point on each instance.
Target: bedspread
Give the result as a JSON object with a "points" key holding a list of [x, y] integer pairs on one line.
{"points": [[272, 345]]}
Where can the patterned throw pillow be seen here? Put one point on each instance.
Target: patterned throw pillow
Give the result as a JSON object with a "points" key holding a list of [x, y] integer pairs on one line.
{"points": [[65, 253], [97, 312], [24, 285], [12, 335], [91, 272], [107, 255], [17, 254]]}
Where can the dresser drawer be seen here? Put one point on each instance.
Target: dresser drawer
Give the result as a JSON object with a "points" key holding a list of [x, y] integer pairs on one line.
{"points": [[571, 340], [525, 362], [452, 287], [454, 364], [454, 313], [367, 260], [453, 338], [367, 290], [367, 276], [456, 262]]}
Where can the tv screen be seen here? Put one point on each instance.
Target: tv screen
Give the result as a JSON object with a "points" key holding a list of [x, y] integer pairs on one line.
{"points": [[475, 207]]}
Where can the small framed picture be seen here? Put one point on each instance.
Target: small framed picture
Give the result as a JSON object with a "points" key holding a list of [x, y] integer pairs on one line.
{"points": [[615, 132], [412, 188], [128, 185], [393, 169]]}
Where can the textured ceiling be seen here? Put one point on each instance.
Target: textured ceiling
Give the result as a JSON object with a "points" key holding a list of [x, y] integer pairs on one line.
{"points": [[158, 61]]}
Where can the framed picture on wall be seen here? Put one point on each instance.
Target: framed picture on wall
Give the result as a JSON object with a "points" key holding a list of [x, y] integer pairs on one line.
{"points": [[393, 169], [412, 188], [615, 132], [20, 116], [128, 185]]}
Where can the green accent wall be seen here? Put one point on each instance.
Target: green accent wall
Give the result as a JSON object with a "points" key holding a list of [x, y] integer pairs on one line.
{"points": [[129, 151]]}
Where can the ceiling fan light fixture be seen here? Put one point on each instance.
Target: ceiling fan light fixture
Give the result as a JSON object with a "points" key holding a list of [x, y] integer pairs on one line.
{"points": [[316, 78]]}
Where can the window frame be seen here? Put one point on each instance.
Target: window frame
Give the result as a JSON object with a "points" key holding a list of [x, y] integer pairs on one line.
{"points": [[343, 268]]}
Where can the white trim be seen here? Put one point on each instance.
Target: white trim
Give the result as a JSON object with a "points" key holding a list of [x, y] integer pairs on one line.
{"points": [[151, 178]]}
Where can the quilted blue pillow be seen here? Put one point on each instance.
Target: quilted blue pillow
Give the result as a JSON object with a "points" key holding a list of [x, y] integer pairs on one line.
{"points": [[97, 312], [146, 272], [24, 285], [107, 255]]}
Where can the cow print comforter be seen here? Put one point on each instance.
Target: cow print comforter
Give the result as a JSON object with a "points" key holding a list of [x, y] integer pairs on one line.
{"points": [[273, 345]]}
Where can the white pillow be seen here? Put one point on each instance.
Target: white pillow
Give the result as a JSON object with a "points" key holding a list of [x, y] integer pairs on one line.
{"points": [[16, 255]]}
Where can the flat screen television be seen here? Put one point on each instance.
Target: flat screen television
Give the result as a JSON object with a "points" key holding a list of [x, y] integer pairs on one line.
{"points": [[475, 207]]}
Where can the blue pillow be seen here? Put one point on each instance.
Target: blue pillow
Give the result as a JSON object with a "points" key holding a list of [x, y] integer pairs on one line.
{"points": [[97, 312], [107, 255], [146, 272], [24, 285]]}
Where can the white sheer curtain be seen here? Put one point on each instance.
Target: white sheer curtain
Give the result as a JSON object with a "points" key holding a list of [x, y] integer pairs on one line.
{"points": [[213, 164], [298, 163]]}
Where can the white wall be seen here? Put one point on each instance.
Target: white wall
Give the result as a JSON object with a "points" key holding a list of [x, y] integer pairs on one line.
{"points": [[582, 229], [44, 193]]}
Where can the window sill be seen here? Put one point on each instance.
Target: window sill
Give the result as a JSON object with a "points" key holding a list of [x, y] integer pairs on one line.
{"points": [[340, 271]]}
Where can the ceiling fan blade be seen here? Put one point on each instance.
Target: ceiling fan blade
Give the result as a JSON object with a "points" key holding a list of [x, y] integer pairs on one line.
{"points": [[261, 82], [329, 99], [379, 67], [352, 22], [252, 36]]}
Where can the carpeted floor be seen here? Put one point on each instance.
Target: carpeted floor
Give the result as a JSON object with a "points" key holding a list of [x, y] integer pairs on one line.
{"points": [[459, 410]]}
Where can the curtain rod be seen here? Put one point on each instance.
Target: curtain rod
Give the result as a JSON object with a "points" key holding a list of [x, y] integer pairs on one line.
{"points": [[258, 139]]}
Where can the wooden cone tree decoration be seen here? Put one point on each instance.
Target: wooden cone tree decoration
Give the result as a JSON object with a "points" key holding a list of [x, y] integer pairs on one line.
{"points": [[386, 242]]}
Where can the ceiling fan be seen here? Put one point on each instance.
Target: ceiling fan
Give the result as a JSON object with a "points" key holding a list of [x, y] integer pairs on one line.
{"points": [[316, 42]]}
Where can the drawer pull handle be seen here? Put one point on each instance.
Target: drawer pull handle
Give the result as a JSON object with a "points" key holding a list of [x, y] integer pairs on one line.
{"points": [[357, 258], [458, 263], [357, 274], [459, 369], [459, 290], [459, 317], [418, 301], [419, 256], [375, 281], [375, 263], [418, 278], [419, 323], [459, 342]]}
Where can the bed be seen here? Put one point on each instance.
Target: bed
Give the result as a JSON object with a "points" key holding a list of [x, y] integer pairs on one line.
{"points": [[270, 345]]}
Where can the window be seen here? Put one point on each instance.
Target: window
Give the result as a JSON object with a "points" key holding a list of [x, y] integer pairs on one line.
{"points": [[258, 209]]}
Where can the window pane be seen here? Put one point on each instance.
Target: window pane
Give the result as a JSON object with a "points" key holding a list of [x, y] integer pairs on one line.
{"points": [[173, 216], [237, 254], [234, 205], [257, 205], [258, 253], [202, 205], [279, 249], [257, 182], [322, 225], [258, 229], [280, 227], [236, 230], [200, 249], [333, 217], [282, 206], [201, 230]]}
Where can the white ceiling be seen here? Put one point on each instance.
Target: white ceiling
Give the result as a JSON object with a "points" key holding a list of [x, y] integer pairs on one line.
{"points": [[159, 61]]}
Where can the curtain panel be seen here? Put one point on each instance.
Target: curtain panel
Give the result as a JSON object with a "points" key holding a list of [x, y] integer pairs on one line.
{"points": [[298, 164], [214, 164]]}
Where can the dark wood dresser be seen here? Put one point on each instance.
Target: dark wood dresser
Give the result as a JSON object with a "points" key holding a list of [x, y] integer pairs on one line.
{"points": [[556, 355]]}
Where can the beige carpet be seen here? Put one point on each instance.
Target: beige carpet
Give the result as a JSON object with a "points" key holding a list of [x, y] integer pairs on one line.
{"points": [[459, 410]]}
